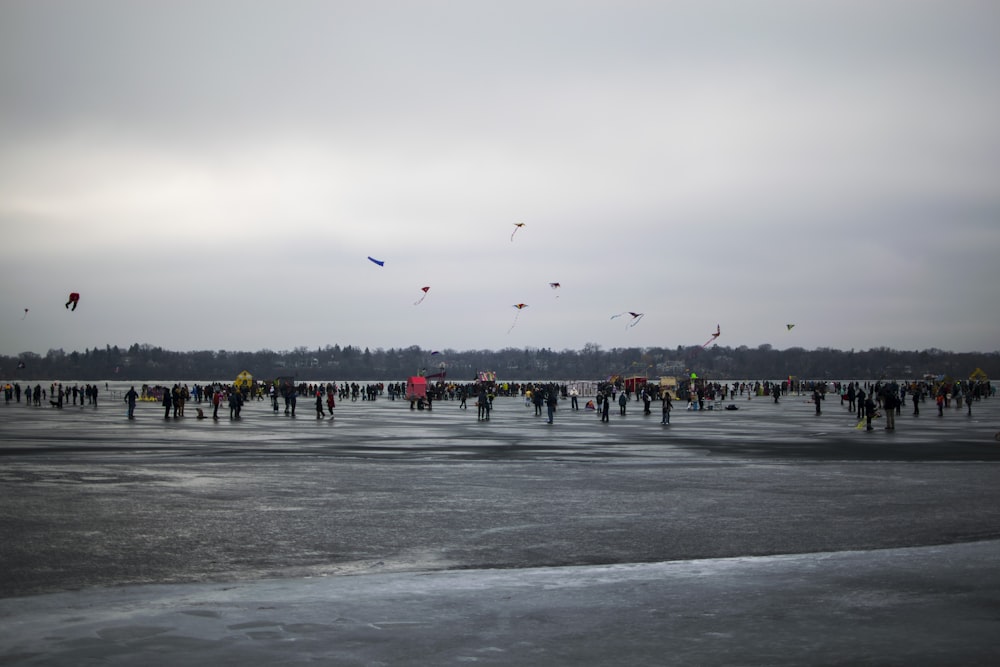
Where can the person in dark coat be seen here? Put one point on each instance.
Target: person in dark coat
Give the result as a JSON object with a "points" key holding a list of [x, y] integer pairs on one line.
{"points": [[869, 408], [550, 404], [130, 398], [319, 405], [667, 406]]}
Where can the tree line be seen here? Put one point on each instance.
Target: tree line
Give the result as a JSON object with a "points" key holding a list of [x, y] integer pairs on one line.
{"points": [[146, 362]]}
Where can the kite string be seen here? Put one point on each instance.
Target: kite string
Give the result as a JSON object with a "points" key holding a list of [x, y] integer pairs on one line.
{"points": [[519, 307]]}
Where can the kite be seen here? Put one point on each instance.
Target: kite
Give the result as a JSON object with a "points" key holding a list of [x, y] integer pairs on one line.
{"points": [[74, 298], [555, 286], [520, 307], [425, 290], [635, 318], [376, 261], [517, 226], [717, 333], [789, 326], [25, 314]]}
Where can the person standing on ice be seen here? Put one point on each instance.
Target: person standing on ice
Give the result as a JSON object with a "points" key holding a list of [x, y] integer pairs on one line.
{"points": [[130, 398], [234, 403], [869, 408], [319, 405], [667, 405], [550, 404], [483, 404]]}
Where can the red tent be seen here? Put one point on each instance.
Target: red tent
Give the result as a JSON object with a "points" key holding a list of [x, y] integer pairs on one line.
{"points": [[635, 383], [416, 387]]}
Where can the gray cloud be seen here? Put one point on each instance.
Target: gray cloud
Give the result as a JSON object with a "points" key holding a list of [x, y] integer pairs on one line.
{"points": [[189, 165]]}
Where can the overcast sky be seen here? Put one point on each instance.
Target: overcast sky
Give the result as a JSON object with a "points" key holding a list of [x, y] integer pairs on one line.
{"points": [[214, 175]]}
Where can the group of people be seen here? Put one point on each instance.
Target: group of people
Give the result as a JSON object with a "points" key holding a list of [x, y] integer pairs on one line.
{"points": [[887, 399], [57, 395], [609, 393], [543, 396], [175, 399], [330, 403]]}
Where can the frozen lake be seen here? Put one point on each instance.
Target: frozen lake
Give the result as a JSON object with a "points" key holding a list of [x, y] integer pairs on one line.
{"points": [[93, 500], [387, 429]]}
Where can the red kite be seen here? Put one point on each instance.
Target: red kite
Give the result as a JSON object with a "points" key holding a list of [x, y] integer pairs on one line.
{"points": [[714, 336]]}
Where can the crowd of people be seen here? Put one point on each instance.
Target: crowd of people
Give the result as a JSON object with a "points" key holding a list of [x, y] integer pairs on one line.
{"points": [[867, 400]]}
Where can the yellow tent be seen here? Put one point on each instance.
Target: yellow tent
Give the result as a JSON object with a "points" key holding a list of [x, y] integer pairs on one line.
{"points": [[244, 380]]}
